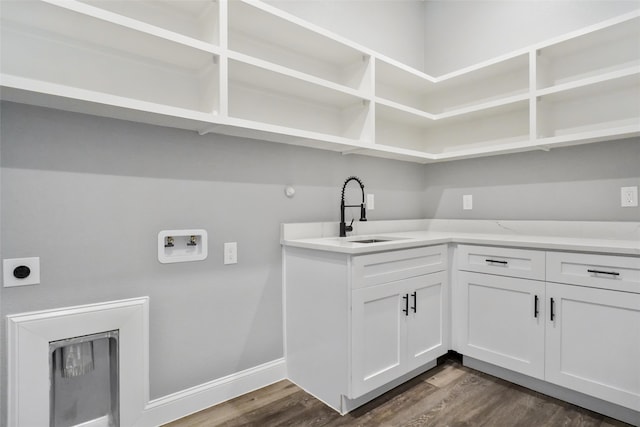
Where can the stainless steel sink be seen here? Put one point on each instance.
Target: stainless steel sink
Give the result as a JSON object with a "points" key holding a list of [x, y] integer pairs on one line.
{"points": [[368, 240], [371, 240]]}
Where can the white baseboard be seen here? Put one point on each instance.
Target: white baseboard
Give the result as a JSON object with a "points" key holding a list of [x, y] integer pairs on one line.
{"points": [[177, 405]]}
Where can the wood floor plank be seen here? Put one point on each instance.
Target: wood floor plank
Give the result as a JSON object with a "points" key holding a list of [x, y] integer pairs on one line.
{"points": [[448, 395]]}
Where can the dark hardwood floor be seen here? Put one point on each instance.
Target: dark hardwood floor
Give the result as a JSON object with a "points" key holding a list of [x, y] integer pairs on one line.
{"points": [[448, 395]]}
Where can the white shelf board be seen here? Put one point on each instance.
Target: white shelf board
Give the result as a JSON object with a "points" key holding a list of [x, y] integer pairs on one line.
{"points": [[394, 153], [490, 149], [304, 77], [630, 70], [503, 64], [196, 19], [274, 133], [44, 94], [608, 31], [497, 106], [605, 134], [455, 94], [591, 87], [391, 73], [264, 79], [273, 26], [399, 113], [87, 24]]}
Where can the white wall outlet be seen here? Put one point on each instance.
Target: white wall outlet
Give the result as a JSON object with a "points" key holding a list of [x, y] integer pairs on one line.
{"points": [[21, 271], [231, 253], [467, 202], [370, 202], [182, 245], [629, 197]]}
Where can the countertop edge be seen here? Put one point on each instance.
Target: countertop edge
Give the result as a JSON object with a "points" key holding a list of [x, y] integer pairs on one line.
{"points": [[532, 242]]}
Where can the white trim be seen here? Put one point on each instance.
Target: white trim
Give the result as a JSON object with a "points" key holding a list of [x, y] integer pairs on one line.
{"points": [[177, 405], [28, 338]]}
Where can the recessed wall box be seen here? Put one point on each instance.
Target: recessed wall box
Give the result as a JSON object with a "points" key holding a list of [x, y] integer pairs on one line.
{"points": [[21, 271], [182, 245]]}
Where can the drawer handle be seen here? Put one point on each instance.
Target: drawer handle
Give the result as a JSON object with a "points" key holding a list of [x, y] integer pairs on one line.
{"points": [[405, 310], [496, 261], [415, 302], [553, 309], [535, 307], [611, 273]]}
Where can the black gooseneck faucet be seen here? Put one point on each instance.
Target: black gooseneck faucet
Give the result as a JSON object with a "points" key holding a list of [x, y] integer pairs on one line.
{"points": [[363, 214]]}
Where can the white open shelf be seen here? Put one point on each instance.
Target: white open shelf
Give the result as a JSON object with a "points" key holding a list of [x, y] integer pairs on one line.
{"points": [[454, 93], [198, 19], [254, 91], [590, 55], [609, 104], [44, 42], [264, 32], [244, 68], [487, 127]]}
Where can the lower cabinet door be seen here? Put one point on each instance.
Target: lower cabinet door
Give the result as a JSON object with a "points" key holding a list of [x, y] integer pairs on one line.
{"points": [[377, 336], [593, 342], [427, 323], [502, 321]]}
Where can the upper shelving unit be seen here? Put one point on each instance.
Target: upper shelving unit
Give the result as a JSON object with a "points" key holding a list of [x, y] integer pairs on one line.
{"points": [[248, 69], [264, 32]]}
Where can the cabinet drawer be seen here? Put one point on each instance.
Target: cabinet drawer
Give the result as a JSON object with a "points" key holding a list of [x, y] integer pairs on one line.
{"points": [[502, 261], [620, 273], [384, 267]]}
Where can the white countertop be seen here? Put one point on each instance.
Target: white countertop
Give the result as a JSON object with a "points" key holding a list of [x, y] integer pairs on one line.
{"points": [[582, 236]]}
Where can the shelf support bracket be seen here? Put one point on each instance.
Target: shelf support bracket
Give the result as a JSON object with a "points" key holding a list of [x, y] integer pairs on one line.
{"points": [[350, 151], [210, 129]]}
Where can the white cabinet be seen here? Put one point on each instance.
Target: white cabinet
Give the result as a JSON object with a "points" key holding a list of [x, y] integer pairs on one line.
{"points": [[396, 328], [501, 308], [248, 69], [617, 273], [378, 336], [354, 324], [593, 326], [503, 321], [399, 315], [582, 333], [593, 342]]}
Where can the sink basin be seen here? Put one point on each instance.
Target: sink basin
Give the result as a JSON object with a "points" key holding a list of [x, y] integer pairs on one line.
{"points": [[369, 240]]}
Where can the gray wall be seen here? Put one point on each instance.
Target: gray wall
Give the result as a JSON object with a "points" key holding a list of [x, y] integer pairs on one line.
{"points": [[575, 183], [464, 32], [88, 195]]}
